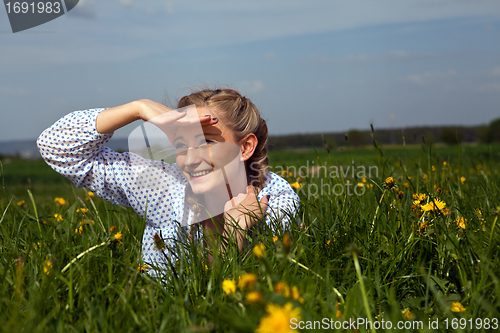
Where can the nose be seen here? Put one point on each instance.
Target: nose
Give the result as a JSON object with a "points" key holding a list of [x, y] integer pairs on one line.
{"points": [[192, 156]]}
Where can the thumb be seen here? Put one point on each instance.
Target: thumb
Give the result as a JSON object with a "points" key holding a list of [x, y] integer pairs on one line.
{"points": [[264, 201]]}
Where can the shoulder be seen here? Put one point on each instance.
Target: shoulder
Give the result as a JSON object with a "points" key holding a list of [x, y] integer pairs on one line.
{"points": [[274, 185]]}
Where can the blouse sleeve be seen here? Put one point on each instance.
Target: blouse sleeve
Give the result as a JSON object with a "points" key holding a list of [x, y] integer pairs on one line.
{"points": [[283, 203], [74, 148]]}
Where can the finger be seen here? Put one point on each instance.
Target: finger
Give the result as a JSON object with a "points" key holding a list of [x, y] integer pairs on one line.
{"points": [[264, 202]]}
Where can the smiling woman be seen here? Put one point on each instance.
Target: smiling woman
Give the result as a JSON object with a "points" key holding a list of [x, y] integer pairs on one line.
{"points": [[220, 180]]}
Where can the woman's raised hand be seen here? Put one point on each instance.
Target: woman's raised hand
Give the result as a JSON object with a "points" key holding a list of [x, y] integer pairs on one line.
{"points": [[116, 117]]}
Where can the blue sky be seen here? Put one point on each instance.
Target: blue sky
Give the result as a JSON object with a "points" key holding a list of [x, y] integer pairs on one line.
{"points": [[310, 66]]}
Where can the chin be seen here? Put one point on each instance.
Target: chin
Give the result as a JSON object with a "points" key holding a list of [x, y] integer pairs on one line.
{"points": [[211, 183]]}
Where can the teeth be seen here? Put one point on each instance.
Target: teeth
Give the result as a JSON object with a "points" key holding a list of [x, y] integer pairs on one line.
{"points": [[201, 173]]}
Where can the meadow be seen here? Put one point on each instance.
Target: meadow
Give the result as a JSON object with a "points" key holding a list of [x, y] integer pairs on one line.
{"points": [[412, 246]]}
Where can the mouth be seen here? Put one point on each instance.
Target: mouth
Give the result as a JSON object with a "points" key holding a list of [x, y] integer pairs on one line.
{"points": [[199, 174]]}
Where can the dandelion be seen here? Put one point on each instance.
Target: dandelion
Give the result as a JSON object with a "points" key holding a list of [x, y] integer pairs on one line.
{"points": [[112, 228], [296, 185], [48, 267], [58, 217], [284, 173], [461, 222], [457, 307], [247, 280], [282, 288], [419, 199], [444, 163], [290, 174], [89, 195], [286, 241], [159, 243], [275, 239], [406, 185], [119, 237], [142, 268], [60, 201], [462, 179], [228, 286], [277, 319], [79, 230], [422, 227], [400, 195], [87, 221], [433, 168], [408, 314], [296, 295], [259, 250], [479, 212], [82, 210], [20, 203], [389, 182], [434, 205], [328, 242], [363, 180], [254, 297], [361, 185]]}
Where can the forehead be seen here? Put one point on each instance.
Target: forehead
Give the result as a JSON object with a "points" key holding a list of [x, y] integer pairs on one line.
{"points": [[218, 130]]}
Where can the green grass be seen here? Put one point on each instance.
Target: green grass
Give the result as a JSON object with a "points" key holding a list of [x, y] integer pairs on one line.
{"points": [[356, 256]]}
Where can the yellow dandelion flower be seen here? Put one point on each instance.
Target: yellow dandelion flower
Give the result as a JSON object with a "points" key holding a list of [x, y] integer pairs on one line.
{"points": [[82, 210], [119, 237], [254, 297], [479, 212], [363, 180], [406, 185], [422, 227], [433, 168], [461, 222], [328, 242], [79, 230], [286, 240], [290, 174], [284, 173], [48, 267], [228, 286], [58, 217], [462, 179], [259, 250], [282, 288], [275, 239], [277, 319], [142, 268], [60, 201], [296, 185], [444, 163], [247, 280], [361, 185], [434, 205], [296, 295], [389, 182], [408, 314], [20, 203], [457, 307]]}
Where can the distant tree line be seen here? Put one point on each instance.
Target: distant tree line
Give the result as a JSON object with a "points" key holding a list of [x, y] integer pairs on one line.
{"points": [[411, 135]]}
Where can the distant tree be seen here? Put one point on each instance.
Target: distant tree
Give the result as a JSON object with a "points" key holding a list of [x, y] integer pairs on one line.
{"points": [[484, 134], [451, 135], [428, 138], [357, 138], [495, 130]]}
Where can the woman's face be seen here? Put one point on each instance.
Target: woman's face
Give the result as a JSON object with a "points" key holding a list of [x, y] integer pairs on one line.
{"points": [[208, 155]]}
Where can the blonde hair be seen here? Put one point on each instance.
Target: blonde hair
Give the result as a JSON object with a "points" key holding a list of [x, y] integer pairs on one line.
{"points": [[240, 115]]}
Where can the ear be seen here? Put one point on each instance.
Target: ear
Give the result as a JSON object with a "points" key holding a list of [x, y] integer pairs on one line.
{"points": [[248, 145]]}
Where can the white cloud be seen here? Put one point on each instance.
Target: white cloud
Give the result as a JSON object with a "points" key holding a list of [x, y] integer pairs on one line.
{"points": [[126, 3], [251, 86], [359, 59], [84, 9], [430, 77]]}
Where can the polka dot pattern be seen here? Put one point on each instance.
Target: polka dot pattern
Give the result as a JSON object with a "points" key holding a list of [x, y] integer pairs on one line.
{"points": [[154, 189]]}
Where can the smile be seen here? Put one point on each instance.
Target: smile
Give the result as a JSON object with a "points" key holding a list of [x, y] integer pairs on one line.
{"points": [[199, 173]]}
